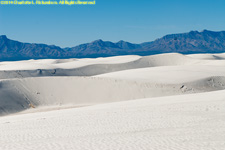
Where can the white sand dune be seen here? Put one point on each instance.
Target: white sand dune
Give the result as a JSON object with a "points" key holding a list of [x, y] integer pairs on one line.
{"points": [[187, 122], [168, 74], [91, 67], [208, 56], [22, 94], [88, 67], [159, 102], [64, 63]]}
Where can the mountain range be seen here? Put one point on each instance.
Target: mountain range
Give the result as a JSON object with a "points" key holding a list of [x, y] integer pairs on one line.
{"points": [[185, 43]]}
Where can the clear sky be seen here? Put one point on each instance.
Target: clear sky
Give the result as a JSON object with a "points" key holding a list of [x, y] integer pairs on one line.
{"points": [[135, 21]]}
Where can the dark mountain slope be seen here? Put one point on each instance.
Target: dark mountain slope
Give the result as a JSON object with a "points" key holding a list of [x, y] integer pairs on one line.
{"points": [[185, 43]]}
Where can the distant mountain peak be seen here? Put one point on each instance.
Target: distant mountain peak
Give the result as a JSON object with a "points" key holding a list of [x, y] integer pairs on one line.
{"points": [[98, 41], [121, 41], [127, 45], [3, 37], [194, 31], [205, 30]]}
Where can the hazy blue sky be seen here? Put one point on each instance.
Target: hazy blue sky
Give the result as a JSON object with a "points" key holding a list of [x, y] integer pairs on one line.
{"points": [[112, 20]]}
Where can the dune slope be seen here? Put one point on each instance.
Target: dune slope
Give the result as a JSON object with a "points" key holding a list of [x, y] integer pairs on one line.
{"points": [[88, 67], [21, 94], [194, 121]]}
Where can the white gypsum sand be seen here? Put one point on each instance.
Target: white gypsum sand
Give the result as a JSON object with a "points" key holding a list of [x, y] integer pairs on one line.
{"points": [[194, 121], [165, 102]]}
